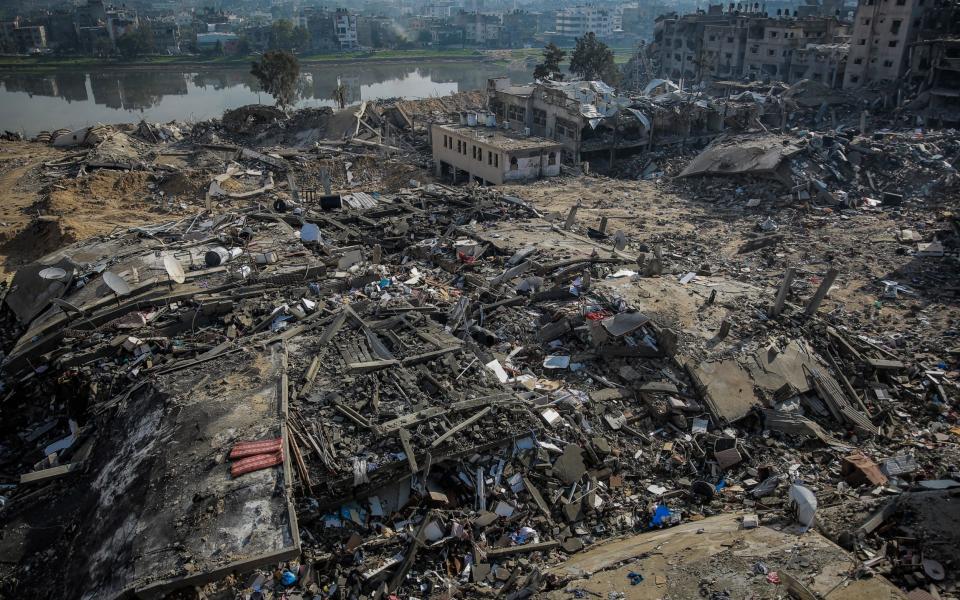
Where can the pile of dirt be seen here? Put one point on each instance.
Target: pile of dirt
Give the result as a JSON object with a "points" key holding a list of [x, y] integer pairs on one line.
{"points": [[242, 119], [119, 149], [21, 168], [207, 159], [235, 185], [184, 185], [104, 200], [269, 126]]}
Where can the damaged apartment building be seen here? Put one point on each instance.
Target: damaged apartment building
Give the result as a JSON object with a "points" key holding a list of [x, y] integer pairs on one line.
{"points": [[734, 44], [591, 120], [905, 50], [938, 62], [934, 65]]}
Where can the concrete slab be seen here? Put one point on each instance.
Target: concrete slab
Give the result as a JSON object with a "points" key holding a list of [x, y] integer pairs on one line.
{"points": [[735, 156], [726, 387], [772, 367], [675, 562], [159, 507]]}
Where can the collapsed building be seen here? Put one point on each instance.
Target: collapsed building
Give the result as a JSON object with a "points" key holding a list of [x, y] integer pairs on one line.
{"points": [[596, 124], [936, 63], [591, 120], [320, 382]]}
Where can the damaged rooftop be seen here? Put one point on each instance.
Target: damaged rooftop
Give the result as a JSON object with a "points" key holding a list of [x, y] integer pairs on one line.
{"points": [[281, 355]]}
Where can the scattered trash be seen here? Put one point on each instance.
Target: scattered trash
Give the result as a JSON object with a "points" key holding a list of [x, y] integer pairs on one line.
{"points": [[363, 386]]}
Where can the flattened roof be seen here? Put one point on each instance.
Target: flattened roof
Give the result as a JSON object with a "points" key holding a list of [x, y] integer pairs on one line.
{"points": [[503, 139]]}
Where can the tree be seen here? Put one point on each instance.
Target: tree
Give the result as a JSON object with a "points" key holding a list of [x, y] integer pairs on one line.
{"points": [[278, 71], [301, 39], [102, 46], [128, 46], [136, 42], [592, 59], [148, 41], [282, 35], [553, 55], [243, 45]]}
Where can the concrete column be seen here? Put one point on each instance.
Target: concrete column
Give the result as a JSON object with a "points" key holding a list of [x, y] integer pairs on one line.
{"points": [[821, 292], [777, 307], [724, 329], [571, 217]]}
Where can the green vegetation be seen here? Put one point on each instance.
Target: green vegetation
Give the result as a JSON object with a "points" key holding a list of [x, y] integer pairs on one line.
{"points": [[136, 43], [392, 54], [52, 63], [553, 55], [620, 55], [284, 36], [277, 71], [623, 55], [592, 59]]}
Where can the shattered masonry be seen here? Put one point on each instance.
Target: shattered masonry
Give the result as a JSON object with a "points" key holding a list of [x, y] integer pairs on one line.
{"points": [[326, 375]]}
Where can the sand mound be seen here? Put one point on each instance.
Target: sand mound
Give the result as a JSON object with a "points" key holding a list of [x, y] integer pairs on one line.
{"points": [[104, 200]]}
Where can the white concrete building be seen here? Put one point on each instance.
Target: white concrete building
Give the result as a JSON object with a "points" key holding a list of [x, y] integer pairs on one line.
{"points": [[345, 28], [489, 155], [441, 9], [577, 21]]}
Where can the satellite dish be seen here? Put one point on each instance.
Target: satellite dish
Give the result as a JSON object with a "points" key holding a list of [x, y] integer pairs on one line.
{"points": [[174, 270], [310, 233], [53, 273], [116, 283]]}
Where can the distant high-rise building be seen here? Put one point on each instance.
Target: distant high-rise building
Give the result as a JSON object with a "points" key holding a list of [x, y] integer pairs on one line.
{"points": [[345, 28]]}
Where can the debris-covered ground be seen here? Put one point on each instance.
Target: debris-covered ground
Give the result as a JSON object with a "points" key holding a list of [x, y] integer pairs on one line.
{"points": [[270, 356]]}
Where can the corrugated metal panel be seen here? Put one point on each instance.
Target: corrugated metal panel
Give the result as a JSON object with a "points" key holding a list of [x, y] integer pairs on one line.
{"points": [[359, 200]]}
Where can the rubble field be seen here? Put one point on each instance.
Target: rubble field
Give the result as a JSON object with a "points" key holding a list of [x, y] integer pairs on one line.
{"points": [[270, 356]]}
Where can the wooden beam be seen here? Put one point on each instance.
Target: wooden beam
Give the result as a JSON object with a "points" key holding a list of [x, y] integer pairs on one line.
{"points": [[51, 473], [408, 450]]}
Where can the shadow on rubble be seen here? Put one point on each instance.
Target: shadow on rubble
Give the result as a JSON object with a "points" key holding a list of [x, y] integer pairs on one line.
{"points": [[922, 281], [34, 241]]}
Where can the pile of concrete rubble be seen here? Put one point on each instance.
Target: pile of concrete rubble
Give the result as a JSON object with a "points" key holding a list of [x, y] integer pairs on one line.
{"points": [[439, 392]]}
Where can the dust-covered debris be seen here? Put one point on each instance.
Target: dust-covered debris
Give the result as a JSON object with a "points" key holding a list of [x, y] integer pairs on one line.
{"points": [[271, 355]]}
